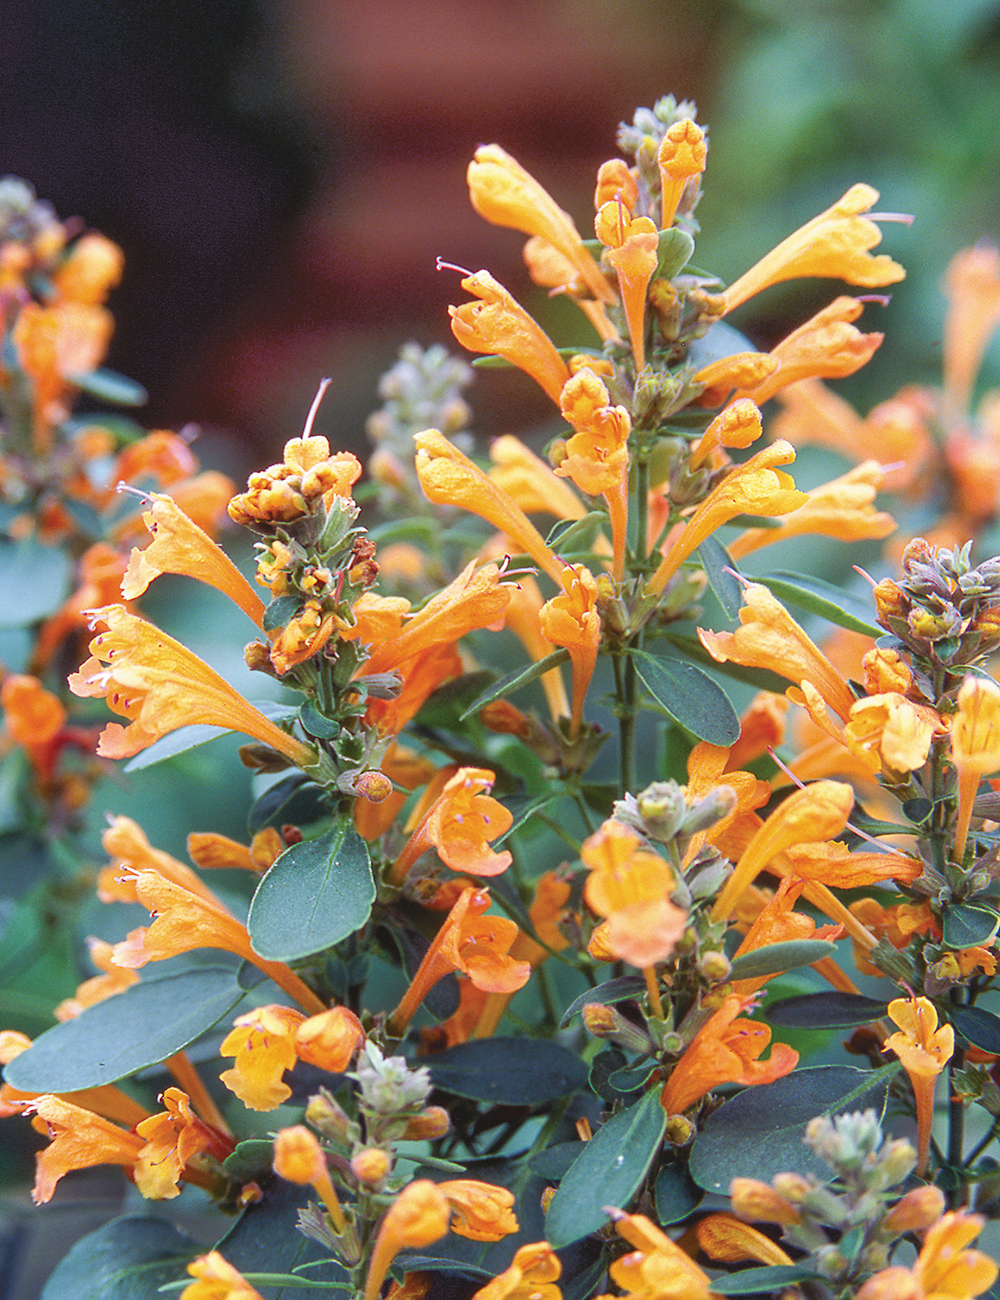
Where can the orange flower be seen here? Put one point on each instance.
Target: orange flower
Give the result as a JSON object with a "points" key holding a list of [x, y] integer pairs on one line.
{"points": [[523, 620], [657, 1266], [532, 1275], [217, 1280], [481, 1211], [329, 1039], [460, 824], [499, 325], [53, 346], [738, 425], [180, 546], [777, 922], [924, 1051], [418, 1217], [302, 637], [827, 346], [816, 813], [184, 921], [33, 715], [125, 842], [173, 1139], [113, 979], [299, 1158], [833, 244], [448, 477], [469, 942], [896, 925], [505, 194], [756, 487], [571, 620], [629, 886], [308, 478], [975, 747], [596, 457], [944, 1269], [547, 267], [263, 1044], [532, 483], [160, 685], [106, 1099], [972, 285], [768, 637], [843, 508], [722, 1236], [79, 1140], [726, 1050], [476, 598], [682, 154], [631, 246]]}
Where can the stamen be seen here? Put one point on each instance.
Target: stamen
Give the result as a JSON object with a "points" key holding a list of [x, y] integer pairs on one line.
{"points": [[324, 384], [441, 265]]}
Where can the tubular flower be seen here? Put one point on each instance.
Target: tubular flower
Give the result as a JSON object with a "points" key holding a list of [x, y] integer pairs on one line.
{"points": [[768, 637], [503, 193], [738, 425], [330, 1039], [307, 477], [682, 154], [726, 1050], [460, 825], [32, 715], [217, 1280], [596, 456], [79, 1140], [547, 267], [834, 244], [299, 1158], [532, 1275], [571, 620], [972, 285], [944, 1270], [975, 746], [180, 546], [476, 598], [54, 345], [817, 813], [892, 734], [631, 246], [629, 886], [469, 942], [183, 921], [924, 1050], [777, 922], [263, 1043], [303, 636], [448, 477], [843, 508], [827, 345], [160, 685], [418, 1217], [722, 1236], [125, 842], [499, 325], [173, 1139], [756, 487], [481, 1211], [522, 619], [105, 1100], [657, 1266], [532, 483], [744, 370], [113, 979]]}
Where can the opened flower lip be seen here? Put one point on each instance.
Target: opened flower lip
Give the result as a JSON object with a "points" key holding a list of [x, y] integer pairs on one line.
{"points": [[835, 243], [498, 324], [158, 685], [924, 1050], [505, 194], [180, 546]]}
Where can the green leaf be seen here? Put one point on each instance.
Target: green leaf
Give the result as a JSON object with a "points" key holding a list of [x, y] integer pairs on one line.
{"points": [[727, 588], [36, 579], [788, 955], [618, 990], [294, 799], [177, 742], [674, 253], [815, 596], [279, 611], [124, 1034], [966, 926], [514, 681], [758, 1133], [608, 1172], [126, 1259], [315, 894], [318, 724], [980, 1028], [508, 1071], [675, 1193], [824, 1011], [111, 387], [690, 697], [758, 1281]]}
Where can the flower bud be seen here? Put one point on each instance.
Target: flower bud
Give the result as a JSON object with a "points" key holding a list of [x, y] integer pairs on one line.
{"points": [[371, 1165], [792, 1187], [680, 1130], [298, 1156], [714, 967], [608, 1022], [917, 1210], [754, 1200], [432, 1123], [326, 1115]]}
